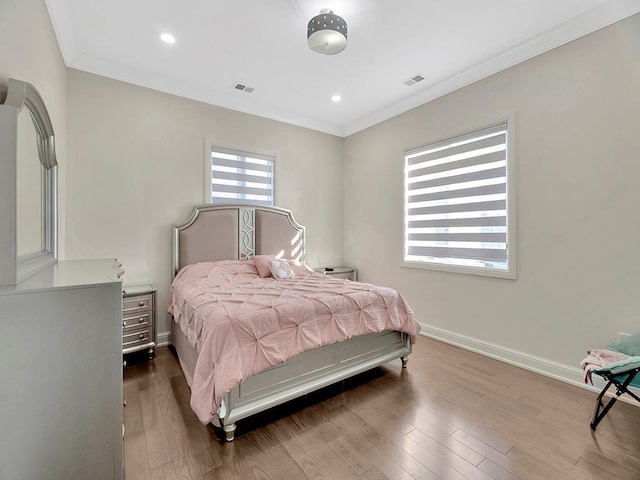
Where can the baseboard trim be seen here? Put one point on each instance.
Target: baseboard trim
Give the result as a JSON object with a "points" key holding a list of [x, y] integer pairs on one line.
{"points": [[558, 371], [548, 368], [163, 339]]}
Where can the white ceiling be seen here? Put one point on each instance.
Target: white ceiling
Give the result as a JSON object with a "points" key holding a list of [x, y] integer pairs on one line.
{"points": [[262, 44]]}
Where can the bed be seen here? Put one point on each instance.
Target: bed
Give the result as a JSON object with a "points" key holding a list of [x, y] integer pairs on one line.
{"points": [[216, 278]]}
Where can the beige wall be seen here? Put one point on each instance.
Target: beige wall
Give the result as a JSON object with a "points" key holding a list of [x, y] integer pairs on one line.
{"points": [[136, 166], [577, 114], [29, 51]]}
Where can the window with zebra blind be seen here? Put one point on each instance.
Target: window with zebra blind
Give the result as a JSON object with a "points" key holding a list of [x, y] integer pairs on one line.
{"points": [[240, 177], [459, 203]]}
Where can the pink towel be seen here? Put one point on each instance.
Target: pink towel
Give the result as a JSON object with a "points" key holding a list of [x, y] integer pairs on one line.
{"points": [[597, 359]]}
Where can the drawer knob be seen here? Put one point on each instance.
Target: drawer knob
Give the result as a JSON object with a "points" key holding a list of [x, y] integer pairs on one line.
{"points": [[141, 320], [141, 303], [141, 336], [124, 323]]}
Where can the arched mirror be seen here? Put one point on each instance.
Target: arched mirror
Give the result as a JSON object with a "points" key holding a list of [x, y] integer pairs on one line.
{"points": [[29, 189], [28, 185]]}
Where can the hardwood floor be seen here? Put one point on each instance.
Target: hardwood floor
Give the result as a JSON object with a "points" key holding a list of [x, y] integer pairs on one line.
{"points": [[451, 414]]}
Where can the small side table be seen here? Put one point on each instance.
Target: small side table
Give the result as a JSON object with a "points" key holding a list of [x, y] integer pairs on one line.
{"points": [[138, 319], [339, 272]]}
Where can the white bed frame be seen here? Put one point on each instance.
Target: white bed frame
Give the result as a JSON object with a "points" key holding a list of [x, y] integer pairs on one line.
{"points": [[223, 232]]}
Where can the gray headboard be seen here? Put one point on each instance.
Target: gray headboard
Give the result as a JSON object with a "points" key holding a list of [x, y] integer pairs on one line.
{"points": [[236, 232]]}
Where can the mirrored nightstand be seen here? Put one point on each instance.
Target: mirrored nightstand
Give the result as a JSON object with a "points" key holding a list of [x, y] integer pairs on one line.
{"points": [[339, 272]]}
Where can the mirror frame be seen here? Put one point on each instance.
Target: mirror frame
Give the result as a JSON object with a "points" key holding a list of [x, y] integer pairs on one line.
{"points": [[13, 268]]}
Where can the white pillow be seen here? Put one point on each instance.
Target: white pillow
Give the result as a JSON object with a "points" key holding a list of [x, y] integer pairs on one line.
{"points": [[281, 269]]}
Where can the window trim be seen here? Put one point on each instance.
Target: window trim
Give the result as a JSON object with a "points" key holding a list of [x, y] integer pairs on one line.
{"points": [[223, 147], [511, 271]]}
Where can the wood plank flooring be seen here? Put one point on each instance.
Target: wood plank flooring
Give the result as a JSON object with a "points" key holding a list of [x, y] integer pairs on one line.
{"points": [[451, 414]]}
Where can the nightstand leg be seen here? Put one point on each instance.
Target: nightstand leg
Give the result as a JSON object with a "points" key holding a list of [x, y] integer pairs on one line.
{"points": [[152, 353], [404, 360]]}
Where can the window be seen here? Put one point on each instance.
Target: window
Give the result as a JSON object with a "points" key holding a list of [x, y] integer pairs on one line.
{"points": [[458, 204], [240, 177]]}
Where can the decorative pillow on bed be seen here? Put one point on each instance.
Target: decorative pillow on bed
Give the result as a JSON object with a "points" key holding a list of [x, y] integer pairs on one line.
{"points": [[281, 269], [262, 264]]}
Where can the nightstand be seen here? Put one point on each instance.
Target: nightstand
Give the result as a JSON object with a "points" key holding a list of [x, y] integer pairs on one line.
{"points": [[339, 272], [138, 319]]}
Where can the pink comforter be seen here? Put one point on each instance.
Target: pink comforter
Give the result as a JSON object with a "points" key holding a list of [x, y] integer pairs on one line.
{"points": [[241, 324]]}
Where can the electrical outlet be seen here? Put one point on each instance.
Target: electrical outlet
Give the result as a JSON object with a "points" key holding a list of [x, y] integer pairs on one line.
{"points": [[622, 335]]}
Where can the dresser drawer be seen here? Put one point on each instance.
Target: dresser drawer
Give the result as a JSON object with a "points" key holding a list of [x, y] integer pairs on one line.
{"points": [[132, 322], [139, 337], [135, 305]]}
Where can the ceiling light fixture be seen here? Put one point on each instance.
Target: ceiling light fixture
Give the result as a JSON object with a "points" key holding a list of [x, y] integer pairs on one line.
{"points": [[327, 33], [336, 98], [167, 38]]}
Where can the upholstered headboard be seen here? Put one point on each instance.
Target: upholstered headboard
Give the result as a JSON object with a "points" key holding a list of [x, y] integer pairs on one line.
{"points": [[236, 232]]}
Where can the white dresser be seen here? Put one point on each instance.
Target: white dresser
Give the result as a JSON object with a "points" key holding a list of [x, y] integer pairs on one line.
{"points": [[61, 373]]}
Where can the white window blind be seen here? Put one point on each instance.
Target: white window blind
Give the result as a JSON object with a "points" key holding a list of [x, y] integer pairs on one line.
{"points": [[238, 177], [456, 202]]}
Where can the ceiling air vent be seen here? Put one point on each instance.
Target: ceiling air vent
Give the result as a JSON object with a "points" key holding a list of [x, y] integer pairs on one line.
{"points": [[243, 88], [413, 80]]}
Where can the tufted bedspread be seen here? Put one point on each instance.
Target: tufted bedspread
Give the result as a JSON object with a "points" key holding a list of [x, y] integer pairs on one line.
{"points": [[241, 324]]}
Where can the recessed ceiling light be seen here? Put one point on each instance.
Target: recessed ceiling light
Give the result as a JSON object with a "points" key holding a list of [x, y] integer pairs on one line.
{"points": [[336, 98], [167, 38]]}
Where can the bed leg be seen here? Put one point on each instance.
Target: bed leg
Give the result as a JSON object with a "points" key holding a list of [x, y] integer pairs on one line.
{"points": [[405, 360], [229, 431]]}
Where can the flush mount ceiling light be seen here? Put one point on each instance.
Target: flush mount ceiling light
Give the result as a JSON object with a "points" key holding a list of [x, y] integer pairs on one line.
{"points": [[327, 33]]}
